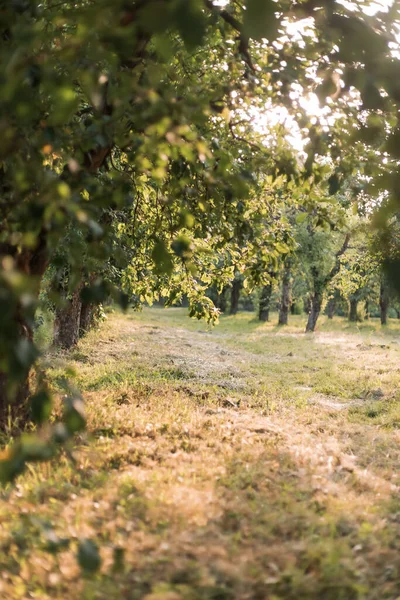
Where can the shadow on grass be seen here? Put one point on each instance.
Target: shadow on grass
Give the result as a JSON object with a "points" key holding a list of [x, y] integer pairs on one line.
{"points": [[271, 532]]}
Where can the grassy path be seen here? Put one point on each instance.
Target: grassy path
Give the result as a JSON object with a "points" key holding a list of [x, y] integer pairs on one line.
{"points": [[244, 463]]}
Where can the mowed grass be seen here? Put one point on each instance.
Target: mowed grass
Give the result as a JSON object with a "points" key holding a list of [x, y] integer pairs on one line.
{"points": [[244, 462]]}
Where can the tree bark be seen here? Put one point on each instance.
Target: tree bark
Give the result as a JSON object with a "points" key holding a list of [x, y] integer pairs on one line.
{"points": [[331, 308], [353, 316], [384, 301], [221, 300], [86, 318], [316, 303], [367, 309], [265, 302], [67, 321], [235, 295], [286, 298]]}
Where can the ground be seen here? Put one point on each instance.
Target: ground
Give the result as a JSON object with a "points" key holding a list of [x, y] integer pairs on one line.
{"points": [[244, 462]]}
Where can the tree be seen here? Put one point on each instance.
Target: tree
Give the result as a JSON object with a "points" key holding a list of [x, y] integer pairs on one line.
{"points": [[140, 114], [387, 248], [235, 295], [88, 135], [265, 301], [321, 243], [332, 303], [384, 300], [357, 278], [221, 300], [286, 297]]}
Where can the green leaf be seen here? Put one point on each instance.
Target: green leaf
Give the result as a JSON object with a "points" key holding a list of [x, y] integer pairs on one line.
{"points": [[65, 104], [88, 556], [182, 246], [35, 449], [301, 217], [260, 20], [190, 22], [74, 415], [162, 258], [281, 248], [41, 405], [12, 463], [186, 219], [155, 17], [25, 353]]}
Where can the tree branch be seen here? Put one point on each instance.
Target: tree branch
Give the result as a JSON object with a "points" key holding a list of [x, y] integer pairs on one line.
{"points": [[237, 26], [335, 269], [242, 139]]}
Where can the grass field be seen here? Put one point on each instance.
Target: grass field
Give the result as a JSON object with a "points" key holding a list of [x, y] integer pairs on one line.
{"points": [[249, 462]]}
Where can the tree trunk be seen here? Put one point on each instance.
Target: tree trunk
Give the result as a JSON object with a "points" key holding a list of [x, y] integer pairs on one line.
{"points": [[353, 317], [221, 300], [398, 313], [88, 309], [14, 391], [17, 350], [331, 308], [384, 302], [316, 303], [265, 302], [235, 295], [67, 321], [86, 318], [321, 283], [367, 309], [286, 298]]}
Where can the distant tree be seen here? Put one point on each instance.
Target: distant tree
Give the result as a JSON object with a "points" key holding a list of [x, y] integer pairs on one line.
{"points": [[265, 300], [384, 299], [221, 300], [235, 295], [286, 295], [332, 303], [320, 247]]}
